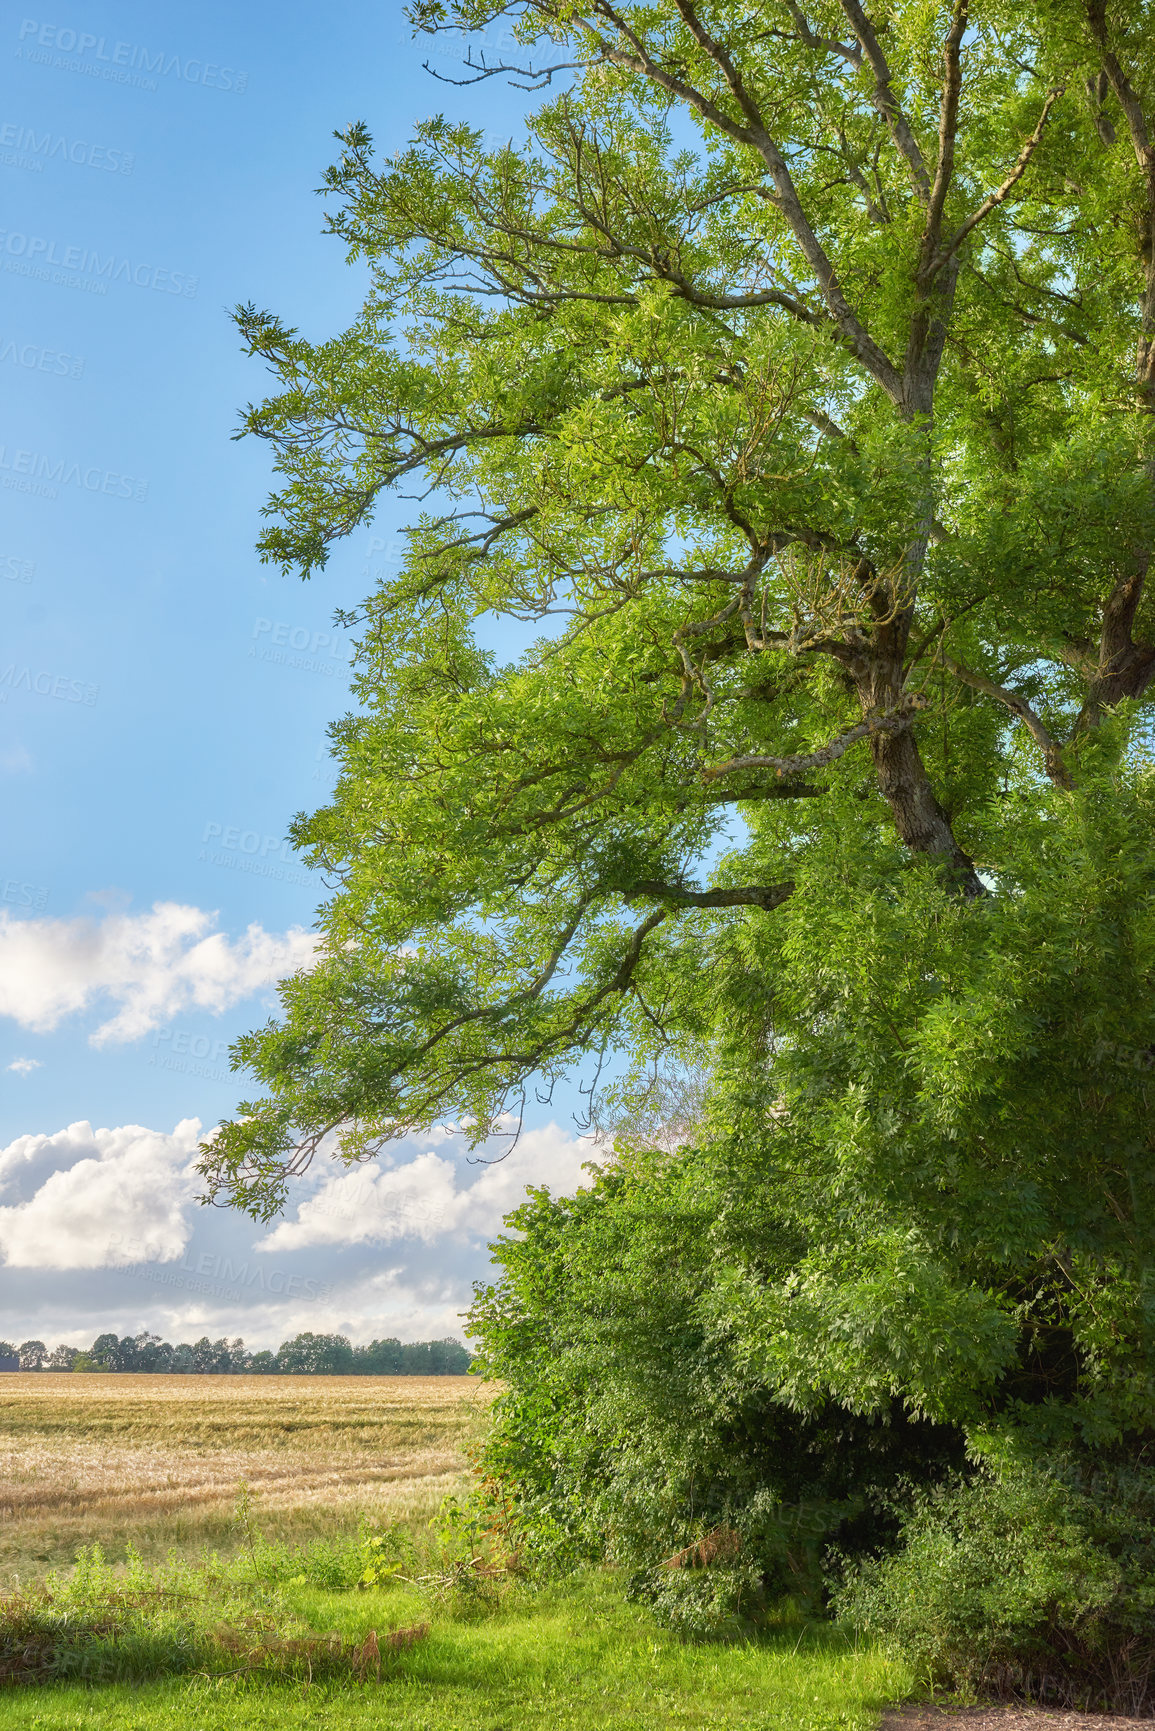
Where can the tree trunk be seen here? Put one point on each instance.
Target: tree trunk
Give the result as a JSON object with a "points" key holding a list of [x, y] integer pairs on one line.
{"points": [[918, 816]]}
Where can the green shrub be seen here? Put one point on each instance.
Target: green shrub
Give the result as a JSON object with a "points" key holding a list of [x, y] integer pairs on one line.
{"points": [[912, 1219], [333, 1565], [1029, 1584], [461, 1561], [633, 1422], [706, 1604]]}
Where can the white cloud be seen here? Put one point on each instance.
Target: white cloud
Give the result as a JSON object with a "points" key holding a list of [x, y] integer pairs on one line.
{"points": [[15, 759], [425, 1199], [98, 1198], [25, 1066], [100, 1228], [151, 965]]}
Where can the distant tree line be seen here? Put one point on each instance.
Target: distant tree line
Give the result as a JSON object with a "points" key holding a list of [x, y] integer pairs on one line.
{"points": [[304, 1355]]}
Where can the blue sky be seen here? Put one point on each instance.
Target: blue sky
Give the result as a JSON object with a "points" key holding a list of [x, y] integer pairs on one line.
{"points": [[163, 696]]}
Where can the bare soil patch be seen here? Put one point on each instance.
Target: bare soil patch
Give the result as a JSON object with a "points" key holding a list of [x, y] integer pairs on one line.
{"points": [[926, 1717]]}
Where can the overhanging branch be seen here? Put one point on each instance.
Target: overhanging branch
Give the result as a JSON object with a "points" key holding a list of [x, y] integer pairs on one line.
{"points": [[767, 896], [1018, 705], [895, 720]]}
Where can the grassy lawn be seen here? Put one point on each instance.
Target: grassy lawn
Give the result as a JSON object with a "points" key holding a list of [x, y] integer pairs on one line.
{"points": [[570, 1657]]}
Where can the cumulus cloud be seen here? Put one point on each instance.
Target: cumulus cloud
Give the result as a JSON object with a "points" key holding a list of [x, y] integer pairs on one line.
{"points": [[151, 965], [85, 1198], [25, 1066], [100, 1228], [431, 1196]]}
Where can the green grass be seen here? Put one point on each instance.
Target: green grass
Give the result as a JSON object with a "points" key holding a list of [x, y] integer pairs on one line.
{"points": [[567, 1658]]}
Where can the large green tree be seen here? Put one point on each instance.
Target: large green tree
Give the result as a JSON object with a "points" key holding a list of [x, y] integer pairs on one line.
{"points": [[796, 372]]}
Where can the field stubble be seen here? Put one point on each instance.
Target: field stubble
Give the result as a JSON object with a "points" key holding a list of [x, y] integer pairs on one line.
{"points": [[157, 1461]]}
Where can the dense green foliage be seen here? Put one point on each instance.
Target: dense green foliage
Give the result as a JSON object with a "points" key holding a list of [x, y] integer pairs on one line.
{"points": [[796, 374], [304, 1355], [817, 435], [884, 1262], [636, 1423], [1029, 1584]]}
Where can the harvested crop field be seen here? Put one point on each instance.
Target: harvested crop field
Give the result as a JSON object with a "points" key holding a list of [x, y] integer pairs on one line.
{"points": [[157, 1461]]}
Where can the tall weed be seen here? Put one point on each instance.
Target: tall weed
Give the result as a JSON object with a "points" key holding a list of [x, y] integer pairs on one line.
{"points": [[100, 1625]]}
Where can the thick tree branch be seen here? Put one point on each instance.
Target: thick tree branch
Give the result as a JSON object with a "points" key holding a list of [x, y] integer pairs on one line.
{"points": [[628, 968], [766, 896], [1124, 668], [821, 44], [1018, 705], [755, 135], [553, 960], [896, 720], [885, 100], [1140, 134], [947, 131], [947, 252]]}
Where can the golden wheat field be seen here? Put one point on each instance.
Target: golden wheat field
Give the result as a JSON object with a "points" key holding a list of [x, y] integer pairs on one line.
{"points": [[158, 1460]]}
